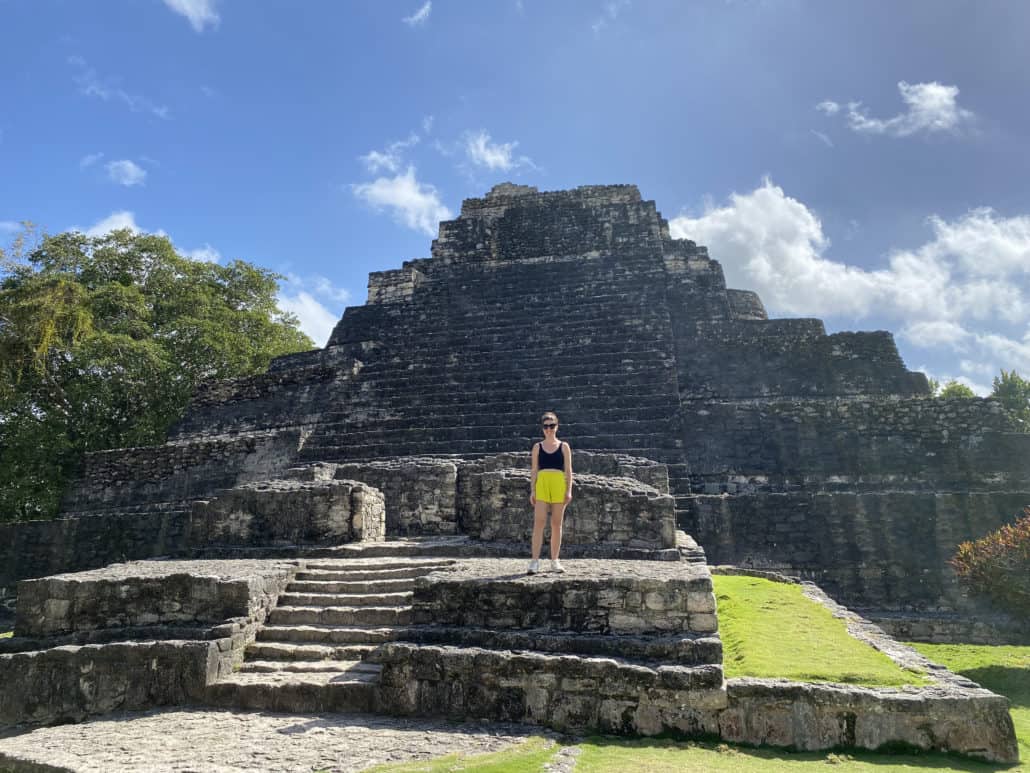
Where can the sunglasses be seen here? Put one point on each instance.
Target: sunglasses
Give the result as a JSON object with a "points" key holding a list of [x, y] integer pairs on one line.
{"points": [[549, 426]]}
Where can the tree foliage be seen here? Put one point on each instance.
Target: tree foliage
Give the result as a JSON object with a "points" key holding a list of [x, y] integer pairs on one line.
{"points": [[998, 565], [1014, 393], [102, 342], [956, 389]]}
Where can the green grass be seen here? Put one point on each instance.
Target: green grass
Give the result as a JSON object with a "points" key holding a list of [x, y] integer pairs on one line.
{"points": [[530, 755], [608, 755], [770, 629], [6, 634], [1004, 670]]}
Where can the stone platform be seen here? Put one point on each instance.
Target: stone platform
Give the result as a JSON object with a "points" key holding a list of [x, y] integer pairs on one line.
{"points": [[609, 645]]}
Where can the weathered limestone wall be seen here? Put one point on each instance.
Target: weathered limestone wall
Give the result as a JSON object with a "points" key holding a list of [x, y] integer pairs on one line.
{"points": [[419, 493], [150, 593], [47, 680], [609, 511], [179, 472], [291, 512], [870, 549], [253, 515], [594, 694], [942, 441], [620, 597], [569, 694], [71, 683]]}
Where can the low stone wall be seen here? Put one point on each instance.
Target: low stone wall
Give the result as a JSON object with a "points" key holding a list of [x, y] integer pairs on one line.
{"points": [[602, 695], [647, 471], [814, 717], [953, 628], [70, 683], [562, 692], [322, 511], [494, 505], [291, 512], [608, 597], [419, 493], [219, 604], [150, 593], [181, 471]]}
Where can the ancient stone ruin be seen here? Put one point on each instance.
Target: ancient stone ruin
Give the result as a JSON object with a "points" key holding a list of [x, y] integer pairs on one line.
{"points": [[341, 532]]}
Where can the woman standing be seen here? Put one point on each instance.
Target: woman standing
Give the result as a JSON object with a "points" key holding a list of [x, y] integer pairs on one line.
{"points": [[550, 487]]}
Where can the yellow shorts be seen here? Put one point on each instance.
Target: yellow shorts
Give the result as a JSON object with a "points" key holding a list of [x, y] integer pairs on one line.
{"points": [[550, 486]]}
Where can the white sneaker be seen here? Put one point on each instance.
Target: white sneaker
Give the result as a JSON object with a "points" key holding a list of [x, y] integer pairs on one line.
{"points": [[556, 566], [534, 567]]}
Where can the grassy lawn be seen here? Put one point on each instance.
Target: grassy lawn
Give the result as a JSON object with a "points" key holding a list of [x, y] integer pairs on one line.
{"points": [[1004, 670], [761, 621], [531, 755], [6, 634]]}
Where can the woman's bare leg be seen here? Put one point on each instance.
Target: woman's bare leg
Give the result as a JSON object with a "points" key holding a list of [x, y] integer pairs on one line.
{"points": [[539, 521], [557, 516]]}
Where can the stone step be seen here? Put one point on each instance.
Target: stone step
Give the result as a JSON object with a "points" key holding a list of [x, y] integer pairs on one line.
{"points": [[351, 571], [317, 449], [448, 432], [307, 693], [352, 586], [310, 667], [522, 354], [484, 335], [370, 616], [288, 651], [292, 599], [573, 357], [331, 634], [480, 415], [501, 383]]}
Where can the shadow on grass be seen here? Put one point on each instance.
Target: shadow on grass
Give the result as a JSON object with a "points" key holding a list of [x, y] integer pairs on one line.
{"points": [[1013, 683], [653, 755]]}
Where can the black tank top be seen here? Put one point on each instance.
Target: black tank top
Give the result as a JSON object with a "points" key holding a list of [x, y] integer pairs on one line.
{"points": [[551, 460]]}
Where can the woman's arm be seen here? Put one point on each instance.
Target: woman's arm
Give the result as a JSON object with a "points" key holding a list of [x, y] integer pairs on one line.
{"points": [[534, 469], [568, 473]]}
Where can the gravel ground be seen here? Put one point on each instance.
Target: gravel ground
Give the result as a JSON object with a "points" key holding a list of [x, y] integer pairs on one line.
{"points": [[220, 741]]}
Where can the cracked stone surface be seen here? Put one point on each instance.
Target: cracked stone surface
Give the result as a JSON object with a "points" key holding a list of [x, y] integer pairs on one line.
{"points": [[224, 741]]}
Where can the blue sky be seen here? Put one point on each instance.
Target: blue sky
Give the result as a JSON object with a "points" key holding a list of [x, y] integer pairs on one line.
{"points": [[865, 162]]}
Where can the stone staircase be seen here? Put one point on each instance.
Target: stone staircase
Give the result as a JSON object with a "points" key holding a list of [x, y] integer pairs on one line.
{"points": [[310, 655]]}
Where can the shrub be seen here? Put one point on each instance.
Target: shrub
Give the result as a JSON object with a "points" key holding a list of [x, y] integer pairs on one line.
{"points": [[998, 565]]}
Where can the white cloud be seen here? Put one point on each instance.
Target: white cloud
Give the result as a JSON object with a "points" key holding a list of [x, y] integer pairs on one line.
{"points": [[207, 253], [493, 155], [930, 107], [113, 222], [315, 319], [200, 13], [327, 289], [391, 158], [304, 297], [823, 138], [427, 123], [419, 17], [90, 159], [610, 11], [126, 173], [414, 204], [92, 85], [958, 292]]}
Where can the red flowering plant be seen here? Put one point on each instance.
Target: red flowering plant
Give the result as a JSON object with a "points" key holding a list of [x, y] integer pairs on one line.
{"points": [[998, 565]]}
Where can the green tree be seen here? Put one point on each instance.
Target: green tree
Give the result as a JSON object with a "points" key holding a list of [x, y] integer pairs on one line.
{"points": [[1013, 392], [102, 342], [955, 389]]}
